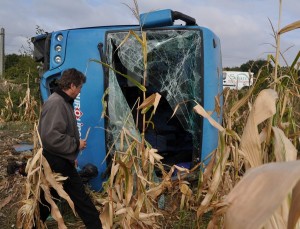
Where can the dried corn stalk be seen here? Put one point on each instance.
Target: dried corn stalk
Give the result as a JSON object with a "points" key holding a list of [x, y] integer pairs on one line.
{"points": [[30, 104], [40, 177]]}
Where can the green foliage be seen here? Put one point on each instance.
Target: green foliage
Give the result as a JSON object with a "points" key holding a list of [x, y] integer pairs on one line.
{"points": [[18, 66], [21, 72], [186, 219], [238, 69], [11, 60], [255, 66]]}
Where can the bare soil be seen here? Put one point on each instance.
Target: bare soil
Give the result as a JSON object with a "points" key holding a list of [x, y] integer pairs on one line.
{"points": [[11, 185]]}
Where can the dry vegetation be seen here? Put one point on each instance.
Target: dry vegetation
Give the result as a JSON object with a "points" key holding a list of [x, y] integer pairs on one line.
{"points": [[11, 185]]}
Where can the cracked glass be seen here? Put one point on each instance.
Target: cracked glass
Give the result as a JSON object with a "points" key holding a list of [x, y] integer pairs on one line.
{"points": [[174, 71]]}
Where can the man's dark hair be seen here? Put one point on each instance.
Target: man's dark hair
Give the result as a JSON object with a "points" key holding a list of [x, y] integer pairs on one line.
{"points": [[70, 76]]}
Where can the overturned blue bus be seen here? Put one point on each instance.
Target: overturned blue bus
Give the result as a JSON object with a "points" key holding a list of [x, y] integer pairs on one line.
{"points": [[184, 64]]}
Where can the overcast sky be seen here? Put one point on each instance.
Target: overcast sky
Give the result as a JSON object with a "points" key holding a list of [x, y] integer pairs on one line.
{"points": [[242, 25]]}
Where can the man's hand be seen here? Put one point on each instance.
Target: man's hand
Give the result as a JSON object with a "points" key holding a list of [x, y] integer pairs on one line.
{"points": [[82, 144]]}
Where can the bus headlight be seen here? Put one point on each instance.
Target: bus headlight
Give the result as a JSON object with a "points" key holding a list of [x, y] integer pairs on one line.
{"points": [[58, 59], [60, 37], [57, 48]]}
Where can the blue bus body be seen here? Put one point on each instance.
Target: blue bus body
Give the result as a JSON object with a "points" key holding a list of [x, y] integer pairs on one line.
{"points": [[71, 48]]}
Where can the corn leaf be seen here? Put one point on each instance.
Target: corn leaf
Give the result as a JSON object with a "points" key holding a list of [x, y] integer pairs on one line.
{"points": [[295, 61], [200, 110], [31, 163], [254, 199], [154, 156], [241, 102], [217, 177], [152, 100], [113, 172], [55, 213], [128, 182], [263, 108], [284, 150], [290, 27], [155, 191], [105, 217], [294, 213], [56, 185], [132, 80]]}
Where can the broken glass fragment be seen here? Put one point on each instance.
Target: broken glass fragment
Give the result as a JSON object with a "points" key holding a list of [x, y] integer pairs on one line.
{"points": [[174, 70]]}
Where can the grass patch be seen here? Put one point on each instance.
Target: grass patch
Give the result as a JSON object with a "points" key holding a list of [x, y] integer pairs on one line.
{"points": [[17, 126]]}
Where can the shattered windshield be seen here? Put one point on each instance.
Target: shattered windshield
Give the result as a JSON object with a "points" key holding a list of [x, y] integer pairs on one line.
{"points": [[174, 71]]}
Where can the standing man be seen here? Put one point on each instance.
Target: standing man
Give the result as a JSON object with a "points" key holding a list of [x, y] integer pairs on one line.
{"points": [[61, 145]]}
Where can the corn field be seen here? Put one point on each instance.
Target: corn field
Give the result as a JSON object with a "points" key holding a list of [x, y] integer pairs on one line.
{"points": [[27, 108], [251, 180]]}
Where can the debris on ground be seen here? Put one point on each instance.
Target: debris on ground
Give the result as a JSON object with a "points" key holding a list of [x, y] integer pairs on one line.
{"points": [[15, 149]]}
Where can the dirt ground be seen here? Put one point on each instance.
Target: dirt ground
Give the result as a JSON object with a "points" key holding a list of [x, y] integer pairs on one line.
{"points": [[11, 179], [11, 185], [12, 182]]}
